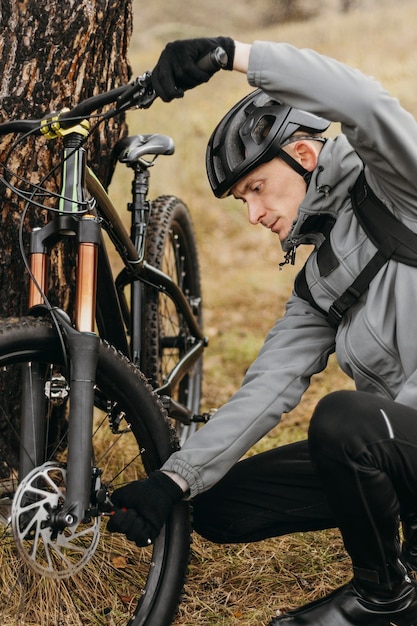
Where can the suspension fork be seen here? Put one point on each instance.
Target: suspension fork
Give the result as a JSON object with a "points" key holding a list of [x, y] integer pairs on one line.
{"points": [[82, 342], [83, 347], [84, 356], [33, 445]]}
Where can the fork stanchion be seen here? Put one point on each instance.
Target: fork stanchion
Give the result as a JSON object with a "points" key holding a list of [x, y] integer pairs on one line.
{"points": [[85, 298], [38, 284]]}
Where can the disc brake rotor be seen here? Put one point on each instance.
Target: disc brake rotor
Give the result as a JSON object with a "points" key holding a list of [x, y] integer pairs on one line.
{"points": [[57, 554]]}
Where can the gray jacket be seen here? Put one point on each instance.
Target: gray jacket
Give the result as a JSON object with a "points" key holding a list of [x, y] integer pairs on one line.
{"points": [[376, 341]]}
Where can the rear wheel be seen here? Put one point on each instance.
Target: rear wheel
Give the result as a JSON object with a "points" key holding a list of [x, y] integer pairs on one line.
{"points": [[85, 575], [172, 248]]}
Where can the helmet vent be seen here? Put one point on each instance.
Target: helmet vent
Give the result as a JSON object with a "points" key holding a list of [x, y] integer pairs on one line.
{"points": [[262, 128], [250, 134]]}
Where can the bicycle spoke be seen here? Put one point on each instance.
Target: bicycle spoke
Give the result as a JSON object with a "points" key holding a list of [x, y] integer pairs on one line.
{"points": [[84, 575]]}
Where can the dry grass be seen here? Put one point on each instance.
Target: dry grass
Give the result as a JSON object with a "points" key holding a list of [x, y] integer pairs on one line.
{"points": [[244, 291], [247, 584]]}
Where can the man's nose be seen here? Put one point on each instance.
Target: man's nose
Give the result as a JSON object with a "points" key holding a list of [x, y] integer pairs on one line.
{"points": [[255, 213]]}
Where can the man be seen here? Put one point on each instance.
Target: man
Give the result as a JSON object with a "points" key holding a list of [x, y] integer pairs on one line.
{"points": [[356, 295]]}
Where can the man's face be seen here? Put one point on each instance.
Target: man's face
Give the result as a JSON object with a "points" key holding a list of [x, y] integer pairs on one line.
{"points": [[273, 193]]}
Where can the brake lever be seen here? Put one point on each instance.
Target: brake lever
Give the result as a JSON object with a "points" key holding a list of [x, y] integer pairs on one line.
{"points": [[138, 94]]}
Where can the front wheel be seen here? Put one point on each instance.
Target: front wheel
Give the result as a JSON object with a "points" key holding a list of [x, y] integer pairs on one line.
{"points": [[83, 576]]}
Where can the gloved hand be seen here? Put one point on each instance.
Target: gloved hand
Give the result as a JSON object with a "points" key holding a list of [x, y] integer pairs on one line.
{"points": [[177, 69], [143, 506]]}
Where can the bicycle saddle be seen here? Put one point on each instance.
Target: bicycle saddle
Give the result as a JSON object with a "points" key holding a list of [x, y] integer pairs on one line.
{"points": [[132, 149]]}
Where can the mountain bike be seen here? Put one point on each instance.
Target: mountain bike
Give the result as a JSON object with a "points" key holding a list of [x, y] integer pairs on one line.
{"points": [[107, 387]]}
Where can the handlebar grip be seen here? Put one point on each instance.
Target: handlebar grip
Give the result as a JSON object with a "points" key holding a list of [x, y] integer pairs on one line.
{"points": [[215, 60]]}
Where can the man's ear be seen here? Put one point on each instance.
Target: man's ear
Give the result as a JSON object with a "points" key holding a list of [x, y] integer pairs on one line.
{"points": [[306, 154]]}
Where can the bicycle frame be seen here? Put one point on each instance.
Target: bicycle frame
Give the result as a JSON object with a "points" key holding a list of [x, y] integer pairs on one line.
{"points": [[137, 269], [96, 292]]}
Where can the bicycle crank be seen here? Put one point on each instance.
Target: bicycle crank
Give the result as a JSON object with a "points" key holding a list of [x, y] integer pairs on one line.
{"points": [[53, 552]]}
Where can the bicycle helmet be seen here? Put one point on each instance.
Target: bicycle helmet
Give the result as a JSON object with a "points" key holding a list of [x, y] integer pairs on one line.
{"points": [[251, 133]]}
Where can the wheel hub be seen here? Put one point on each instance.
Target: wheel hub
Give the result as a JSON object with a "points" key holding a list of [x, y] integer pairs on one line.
{"points": [[45, 546]]}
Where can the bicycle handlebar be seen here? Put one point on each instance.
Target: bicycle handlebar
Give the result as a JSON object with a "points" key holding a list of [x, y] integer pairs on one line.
{"points": [[140, 88], [139, 94], [214, 60]]}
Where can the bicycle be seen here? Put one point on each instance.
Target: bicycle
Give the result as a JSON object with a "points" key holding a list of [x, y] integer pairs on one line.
{"points": [[129, 369]]}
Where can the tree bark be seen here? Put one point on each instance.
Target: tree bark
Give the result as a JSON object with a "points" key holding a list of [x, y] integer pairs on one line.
{"points": [[53, 54]]}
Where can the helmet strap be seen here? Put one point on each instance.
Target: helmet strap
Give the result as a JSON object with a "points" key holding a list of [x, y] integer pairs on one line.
{"points": [[294, 165]]}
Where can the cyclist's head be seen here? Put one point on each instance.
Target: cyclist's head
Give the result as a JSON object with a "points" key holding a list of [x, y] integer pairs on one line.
{"points": [[254, 132]]}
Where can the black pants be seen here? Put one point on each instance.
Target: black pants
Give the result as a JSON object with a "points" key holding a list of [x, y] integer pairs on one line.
{"points": [[358, 471]]}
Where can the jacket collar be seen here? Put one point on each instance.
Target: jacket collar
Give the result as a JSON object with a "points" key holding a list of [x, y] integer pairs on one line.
{"points": [[337, 170]]}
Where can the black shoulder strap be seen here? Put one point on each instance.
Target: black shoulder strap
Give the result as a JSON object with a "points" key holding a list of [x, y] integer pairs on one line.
{"points": [[360, 284], [302, 290], [391, 238], [379, 223]]}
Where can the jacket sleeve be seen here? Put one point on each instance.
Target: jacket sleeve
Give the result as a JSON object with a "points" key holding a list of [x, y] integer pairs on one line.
{"points": [[381, 131], [408, 393], [297, 347]]}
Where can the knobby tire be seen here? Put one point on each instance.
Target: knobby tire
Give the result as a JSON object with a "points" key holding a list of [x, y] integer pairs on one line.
{"points": [[171, 247], [121, 584]]}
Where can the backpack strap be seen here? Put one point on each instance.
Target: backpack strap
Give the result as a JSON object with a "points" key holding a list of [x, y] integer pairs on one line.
{"points": [[391, 238], [302, 290], [380, 224], [361, 282], [326, 258]]}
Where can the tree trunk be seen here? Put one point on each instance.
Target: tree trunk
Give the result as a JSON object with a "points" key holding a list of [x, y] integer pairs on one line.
{"points": [[53, 53]]}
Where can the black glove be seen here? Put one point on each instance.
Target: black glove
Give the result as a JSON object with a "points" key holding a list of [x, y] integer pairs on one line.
{"points": [[143, 506], [177, 69]]}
